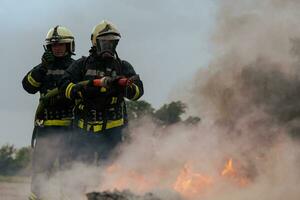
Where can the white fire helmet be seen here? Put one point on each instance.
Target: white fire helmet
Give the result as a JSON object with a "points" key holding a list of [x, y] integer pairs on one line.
{"points": [[60, 34], [105, 30]]}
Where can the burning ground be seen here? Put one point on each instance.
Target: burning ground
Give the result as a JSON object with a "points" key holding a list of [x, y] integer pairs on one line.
{"points": [[201, 163]]}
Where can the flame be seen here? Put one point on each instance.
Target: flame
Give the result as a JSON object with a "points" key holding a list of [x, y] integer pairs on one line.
{"points": [[230, 172], [189, 183], [228, 169]]}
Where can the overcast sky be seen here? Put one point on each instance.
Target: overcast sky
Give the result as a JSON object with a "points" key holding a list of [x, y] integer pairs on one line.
{"points": [[165, 40]]}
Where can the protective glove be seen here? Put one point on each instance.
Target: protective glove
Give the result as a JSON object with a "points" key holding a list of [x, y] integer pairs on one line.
{"points": [[47, 58], [38, 73], [129, 88], [76, 91], [84, 89], [117, 85]]}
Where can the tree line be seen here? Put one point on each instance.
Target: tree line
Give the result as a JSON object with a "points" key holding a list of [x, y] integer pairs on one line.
{"points": [[17, 161]]}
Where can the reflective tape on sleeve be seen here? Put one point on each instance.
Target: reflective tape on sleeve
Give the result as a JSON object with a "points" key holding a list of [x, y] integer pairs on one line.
{"points": [[33, 82], [69, 89], [137, 92]]}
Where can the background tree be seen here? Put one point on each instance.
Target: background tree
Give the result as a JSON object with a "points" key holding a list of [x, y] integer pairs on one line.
{"points": [[166, 115], [13, 160], [7, 159], [23, 160], [170, 113], [139, 109]]}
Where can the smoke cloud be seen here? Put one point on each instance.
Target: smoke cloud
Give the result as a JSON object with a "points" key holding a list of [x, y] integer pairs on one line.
{"points": [[256, 68]]}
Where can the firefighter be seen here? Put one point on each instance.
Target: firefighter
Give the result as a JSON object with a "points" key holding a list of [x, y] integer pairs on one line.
{"points": [[54, 113], [100, 112]]}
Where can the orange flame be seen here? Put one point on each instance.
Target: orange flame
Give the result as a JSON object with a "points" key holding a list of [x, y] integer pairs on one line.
{"points": [[189, 183], [230, 172]]}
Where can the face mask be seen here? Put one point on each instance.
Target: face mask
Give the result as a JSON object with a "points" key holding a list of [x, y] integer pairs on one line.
{"points": [[106, 47]]}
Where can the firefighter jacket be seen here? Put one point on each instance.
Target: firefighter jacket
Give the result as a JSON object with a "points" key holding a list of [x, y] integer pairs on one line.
{"points": [[104, 108], [57, 111]]}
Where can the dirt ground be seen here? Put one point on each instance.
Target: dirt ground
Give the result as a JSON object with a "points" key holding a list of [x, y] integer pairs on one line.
{"points": [[15, 190]]}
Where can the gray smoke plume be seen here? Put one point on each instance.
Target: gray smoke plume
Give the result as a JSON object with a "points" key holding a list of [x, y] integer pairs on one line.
{"points": [[256, 66]]}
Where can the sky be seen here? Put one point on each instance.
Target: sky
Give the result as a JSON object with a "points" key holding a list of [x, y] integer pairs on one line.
{"points": [[165, 41]]}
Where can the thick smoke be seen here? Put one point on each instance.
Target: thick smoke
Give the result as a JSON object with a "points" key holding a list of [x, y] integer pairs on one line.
{"points": [[248, 99], [256, 68]]}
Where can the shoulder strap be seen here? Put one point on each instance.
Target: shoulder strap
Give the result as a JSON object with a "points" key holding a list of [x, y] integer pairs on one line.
{"points": [[120, 64], [85, 59]]}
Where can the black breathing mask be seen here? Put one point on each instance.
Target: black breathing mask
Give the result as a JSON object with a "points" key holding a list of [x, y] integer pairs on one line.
{"points": [[105, 47]]}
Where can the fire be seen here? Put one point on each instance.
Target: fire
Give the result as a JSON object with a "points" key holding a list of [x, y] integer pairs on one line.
{"points": [[193, 184], [230, 172], [189, 183]]}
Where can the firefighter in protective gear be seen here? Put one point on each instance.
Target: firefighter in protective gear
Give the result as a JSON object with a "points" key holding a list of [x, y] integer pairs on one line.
{"points": [[100, 112], [53, 121]]}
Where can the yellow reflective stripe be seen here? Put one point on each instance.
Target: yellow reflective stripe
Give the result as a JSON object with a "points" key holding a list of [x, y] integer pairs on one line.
{"points": [[110, 124], [81, 107], [32, 81], [114, 100], [96, 128], [80, 94], [97, 125], [114, 123], [137, 92], [33, 196], [80, 123], [68, 90], [57, 122], [103, 89]]}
